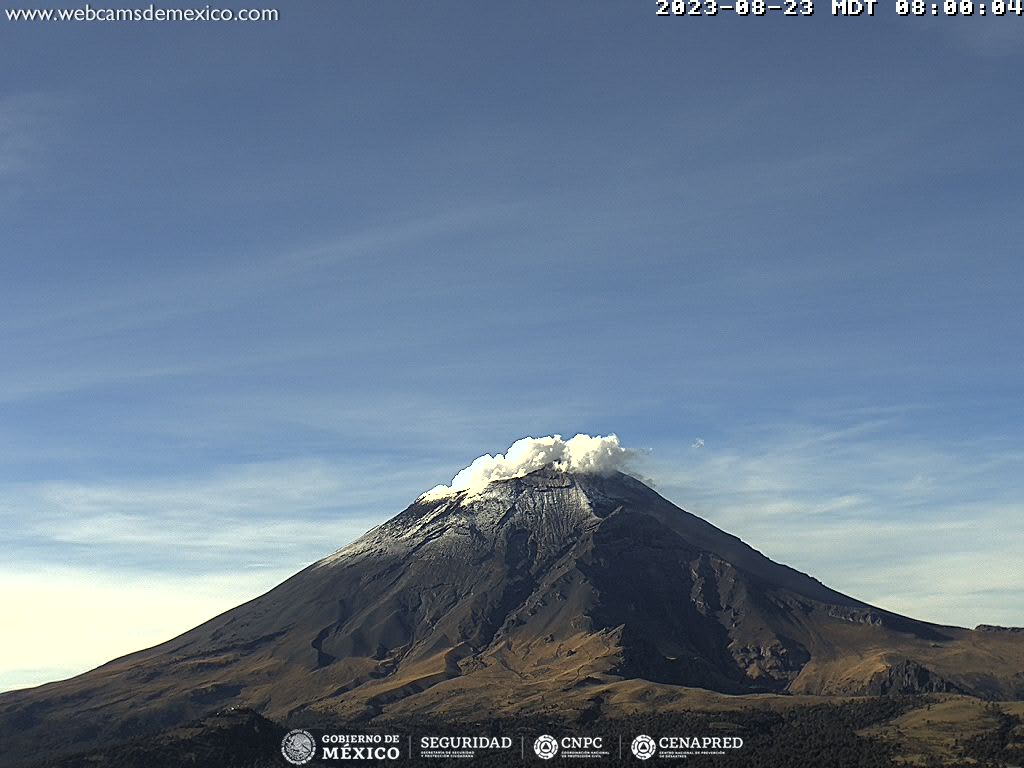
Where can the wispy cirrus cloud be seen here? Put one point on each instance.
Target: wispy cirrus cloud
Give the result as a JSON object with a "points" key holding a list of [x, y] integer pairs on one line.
{"points": [[923, 528], [288, 513], [22, 123], [131, 563], [32, 124]]}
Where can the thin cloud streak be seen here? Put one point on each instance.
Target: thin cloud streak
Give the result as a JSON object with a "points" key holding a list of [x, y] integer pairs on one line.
{"points": [[285, 513], [864, 511]]}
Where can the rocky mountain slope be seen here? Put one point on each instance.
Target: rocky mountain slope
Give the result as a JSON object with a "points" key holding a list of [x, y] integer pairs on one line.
{"points": [[556, 591]]}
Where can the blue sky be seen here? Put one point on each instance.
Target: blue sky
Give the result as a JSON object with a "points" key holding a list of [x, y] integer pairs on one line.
{"points": [[261, 285]]}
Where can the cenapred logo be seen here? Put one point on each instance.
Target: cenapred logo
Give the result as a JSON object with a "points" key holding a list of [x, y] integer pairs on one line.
{"points": [[546, 747], [643, 747], [298, 747]]}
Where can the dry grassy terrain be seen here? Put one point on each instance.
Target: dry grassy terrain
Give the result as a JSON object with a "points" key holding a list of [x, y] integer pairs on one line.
{"points": [[934, 733]]}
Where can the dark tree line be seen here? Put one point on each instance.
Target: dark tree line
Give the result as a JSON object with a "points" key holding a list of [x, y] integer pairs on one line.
{"points": [[818, 736], [1002, 746]]}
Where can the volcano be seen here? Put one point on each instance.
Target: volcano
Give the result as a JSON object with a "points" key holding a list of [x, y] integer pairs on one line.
{"points": [[542, 593]]}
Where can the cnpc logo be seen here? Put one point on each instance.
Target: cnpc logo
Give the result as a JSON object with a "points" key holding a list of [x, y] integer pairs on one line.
{"points": [[547, 746]]}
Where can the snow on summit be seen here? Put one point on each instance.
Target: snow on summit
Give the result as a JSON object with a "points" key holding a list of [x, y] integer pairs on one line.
{"points": [[582, 453]]}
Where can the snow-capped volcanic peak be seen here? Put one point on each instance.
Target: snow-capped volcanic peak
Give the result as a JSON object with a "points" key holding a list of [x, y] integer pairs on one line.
{"points": [[582, 453]]}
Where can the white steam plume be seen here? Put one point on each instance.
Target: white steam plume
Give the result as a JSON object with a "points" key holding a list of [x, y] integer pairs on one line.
{"points": [[583, 453]]}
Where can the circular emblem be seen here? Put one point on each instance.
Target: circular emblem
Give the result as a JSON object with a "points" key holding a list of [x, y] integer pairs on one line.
{"points": [[546, 747], [298, 747], [643, 747]]}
